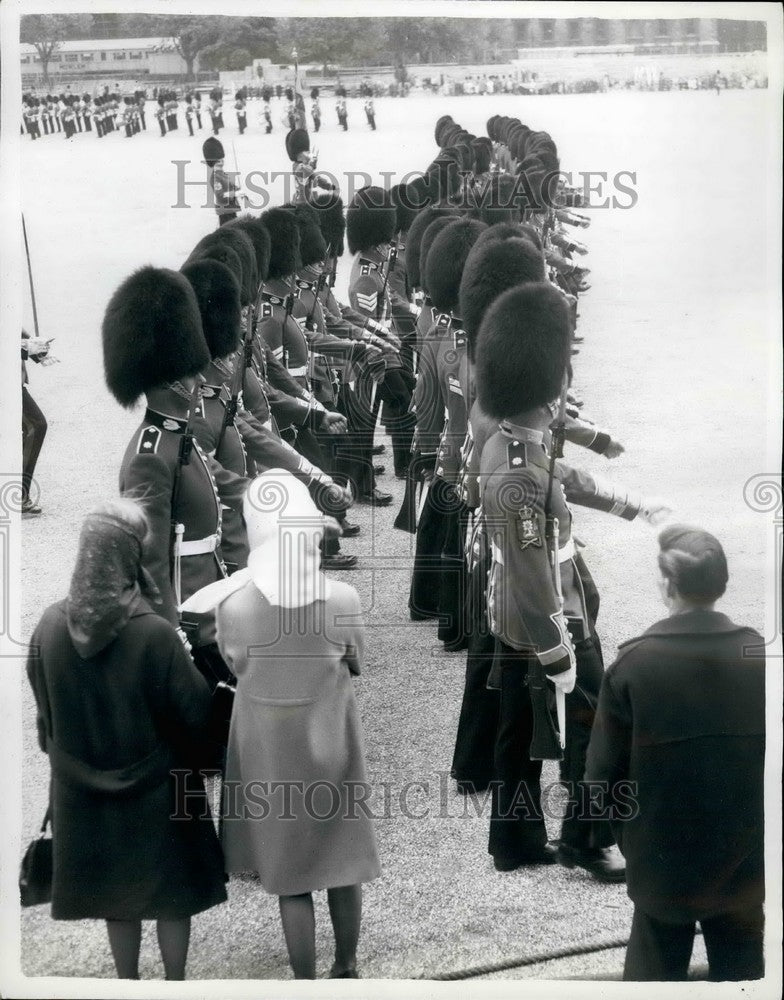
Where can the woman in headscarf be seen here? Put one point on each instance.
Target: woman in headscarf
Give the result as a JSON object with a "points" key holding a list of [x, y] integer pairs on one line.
{"points": [[295, 771], [121, 710]]}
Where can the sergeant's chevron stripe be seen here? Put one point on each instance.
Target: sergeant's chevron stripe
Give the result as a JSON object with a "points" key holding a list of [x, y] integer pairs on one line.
{"points": [[367, 302]]}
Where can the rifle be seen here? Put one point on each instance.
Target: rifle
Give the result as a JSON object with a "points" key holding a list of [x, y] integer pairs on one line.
{"points": [[390, 264], [241, 362], [30, 276], [317, 291], [546, 743], [177, 530]]}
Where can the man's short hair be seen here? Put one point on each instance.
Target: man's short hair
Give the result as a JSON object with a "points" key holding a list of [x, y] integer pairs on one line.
{"points": [[694, 561]]}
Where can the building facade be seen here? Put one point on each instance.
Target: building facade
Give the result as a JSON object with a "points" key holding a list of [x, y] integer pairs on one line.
{"points": [[664, 35], [137, 57]]}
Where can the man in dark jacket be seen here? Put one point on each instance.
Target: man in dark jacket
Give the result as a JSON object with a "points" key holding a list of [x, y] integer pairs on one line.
{"points": [[679, 737]]}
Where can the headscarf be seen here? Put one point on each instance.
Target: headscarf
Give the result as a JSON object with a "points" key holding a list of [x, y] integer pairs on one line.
{"points": [[284, 531], [109, 581]]}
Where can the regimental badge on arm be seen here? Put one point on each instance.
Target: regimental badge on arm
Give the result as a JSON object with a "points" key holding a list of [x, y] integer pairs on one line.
{"points": [[528, 532]]}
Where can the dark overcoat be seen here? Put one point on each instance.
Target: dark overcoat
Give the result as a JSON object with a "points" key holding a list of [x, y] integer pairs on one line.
{"points": [[130, 840], [682, 715]]}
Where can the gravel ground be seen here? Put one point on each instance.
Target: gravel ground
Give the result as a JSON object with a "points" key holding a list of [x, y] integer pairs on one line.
{"points": [[675, 362]]}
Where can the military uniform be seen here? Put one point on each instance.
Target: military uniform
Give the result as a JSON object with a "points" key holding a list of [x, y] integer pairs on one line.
{"points": [[526, 618], [148, 470], [368, 296]]}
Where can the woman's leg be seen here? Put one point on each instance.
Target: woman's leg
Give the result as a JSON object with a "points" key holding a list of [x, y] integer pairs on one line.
{"points": [[173, 939], [345, 910], [125, 938], [299, 930]]}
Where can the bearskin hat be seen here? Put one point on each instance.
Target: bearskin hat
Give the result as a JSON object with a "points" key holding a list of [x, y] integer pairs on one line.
{"points": [[223, 254], [441, 124], [503, 200], [333, 226], [443, 175], [445, 260], [510, 231], [257, 233], [218, 295], [151, 334], [492, 125], [241, 244], [312, 245], [418, 192], [493, 267], [284, 242], [414, 239], [212, 150], [370, 220], [314, 92], [523, 350], [297, 141], [428, 239], [482, 152], [289, 94], [405, 210]]}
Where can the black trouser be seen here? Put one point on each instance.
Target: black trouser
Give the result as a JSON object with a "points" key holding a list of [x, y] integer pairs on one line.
{"points": [[577, 831], [514, 768], [33, 434], [88, 123], [356, 451], [395, 392], [452, 621], [660, 952], [431, 533], [190, 126], [476, 729], [162, 125], [517, 825], [242, 122], [78, 123]]}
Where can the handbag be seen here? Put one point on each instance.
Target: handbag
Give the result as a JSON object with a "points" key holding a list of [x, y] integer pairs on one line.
{"points": [[35, 873]]}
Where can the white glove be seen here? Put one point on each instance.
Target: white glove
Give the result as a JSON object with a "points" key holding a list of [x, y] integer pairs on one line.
{"points": [[566, 680], [655, 511]]}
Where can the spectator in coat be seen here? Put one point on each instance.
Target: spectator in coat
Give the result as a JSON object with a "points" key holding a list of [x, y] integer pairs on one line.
{"points": [[33, 421], [681, 715], [121, 708], [294, 640]]}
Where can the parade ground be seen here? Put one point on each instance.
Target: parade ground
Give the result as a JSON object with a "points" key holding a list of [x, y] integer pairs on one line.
{"points": [[679, 358]]}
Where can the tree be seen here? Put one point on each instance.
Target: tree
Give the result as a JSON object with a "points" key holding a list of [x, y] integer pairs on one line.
{"points": [[240, 40], [191, 35], [46, 31]]}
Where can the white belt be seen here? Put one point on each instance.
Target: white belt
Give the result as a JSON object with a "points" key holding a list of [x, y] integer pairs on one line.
{"points": [[199, 546], [295, 372], [277, 352], [566, 552]]}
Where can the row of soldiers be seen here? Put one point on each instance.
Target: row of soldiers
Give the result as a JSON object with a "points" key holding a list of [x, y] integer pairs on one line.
{"points": [[248, 362], [69, 114], [460, 334], [496, 564]]}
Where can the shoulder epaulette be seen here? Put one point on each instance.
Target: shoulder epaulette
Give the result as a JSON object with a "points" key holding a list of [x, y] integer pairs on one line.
{"points": [[149, 439], [516, 455]]}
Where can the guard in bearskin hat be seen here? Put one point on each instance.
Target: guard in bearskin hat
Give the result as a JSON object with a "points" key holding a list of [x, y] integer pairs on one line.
{"points": [[530, 326], [240, 106], [224, 189], [340, 106], [370, 229], [154, 346], [315, 108], [438, 578]]}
